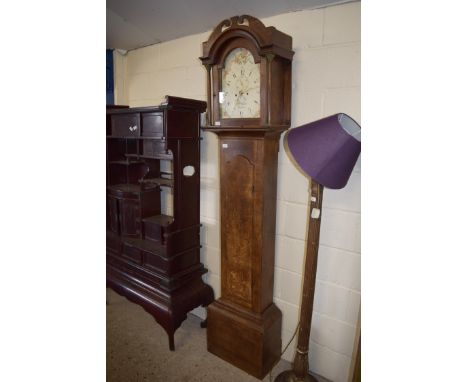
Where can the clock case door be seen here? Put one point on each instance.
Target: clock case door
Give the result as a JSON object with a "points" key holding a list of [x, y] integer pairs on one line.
{"points": [[270, 48]]}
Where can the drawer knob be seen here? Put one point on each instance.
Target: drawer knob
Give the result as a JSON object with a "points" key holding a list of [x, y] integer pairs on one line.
{"points": [[133, 128]]}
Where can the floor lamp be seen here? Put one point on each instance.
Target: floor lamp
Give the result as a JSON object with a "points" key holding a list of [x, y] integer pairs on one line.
{"points": [[326, 151]]}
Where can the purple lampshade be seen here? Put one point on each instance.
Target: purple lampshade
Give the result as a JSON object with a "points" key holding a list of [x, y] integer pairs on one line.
{"points": [[327, 149]]}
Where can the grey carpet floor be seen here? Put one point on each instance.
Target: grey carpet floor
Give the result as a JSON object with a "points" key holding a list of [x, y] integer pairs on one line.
{"points": [[138, 350]]}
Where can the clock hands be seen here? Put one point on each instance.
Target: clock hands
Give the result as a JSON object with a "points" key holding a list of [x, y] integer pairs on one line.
{"points": [[241, 88]]}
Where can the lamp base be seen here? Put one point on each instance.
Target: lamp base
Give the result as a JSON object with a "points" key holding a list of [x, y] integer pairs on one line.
{"points": [[290, 376]]}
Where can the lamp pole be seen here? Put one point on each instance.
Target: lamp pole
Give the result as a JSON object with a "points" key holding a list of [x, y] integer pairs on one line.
{"points": [[300, 371]]}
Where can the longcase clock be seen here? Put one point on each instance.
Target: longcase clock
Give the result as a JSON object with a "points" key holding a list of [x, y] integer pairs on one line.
{"points": [[249, 106]]}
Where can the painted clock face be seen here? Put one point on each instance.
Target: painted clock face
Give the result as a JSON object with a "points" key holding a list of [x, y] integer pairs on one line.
{"points": [[240, 86]]}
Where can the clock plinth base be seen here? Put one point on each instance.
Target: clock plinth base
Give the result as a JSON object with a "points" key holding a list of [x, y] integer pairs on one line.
{"points": [[249, 342]]}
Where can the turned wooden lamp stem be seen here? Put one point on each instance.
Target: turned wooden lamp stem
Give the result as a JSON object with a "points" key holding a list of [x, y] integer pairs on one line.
{"points": [[300, 371], [301, 359]]}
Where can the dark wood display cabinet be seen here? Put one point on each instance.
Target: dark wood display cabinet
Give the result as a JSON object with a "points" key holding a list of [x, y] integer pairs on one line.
{"points": [[153, 255]]}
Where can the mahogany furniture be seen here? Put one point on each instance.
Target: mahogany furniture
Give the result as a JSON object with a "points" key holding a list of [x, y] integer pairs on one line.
{"points": [[153, 256], [247, 63]]}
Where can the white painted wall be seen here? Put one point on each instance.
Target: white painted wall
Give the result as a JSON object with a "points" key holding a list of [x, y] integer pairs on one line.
{"points": [[326, 80]]}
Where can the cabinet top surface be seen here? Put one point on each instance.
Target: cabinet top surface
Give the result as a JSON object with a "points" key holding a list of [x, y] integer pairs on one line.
{"points": [[169, 103], [129, 110]]}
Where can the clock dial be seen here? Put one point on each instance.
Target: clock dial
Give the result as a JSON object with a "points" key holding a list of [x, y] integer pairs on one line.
{"points": [[240, 86]]}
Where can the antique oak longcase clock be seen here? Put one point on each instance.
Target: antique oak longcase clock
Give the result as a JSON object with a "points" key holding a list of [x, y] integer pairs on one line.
{"points": [[249, 106]]}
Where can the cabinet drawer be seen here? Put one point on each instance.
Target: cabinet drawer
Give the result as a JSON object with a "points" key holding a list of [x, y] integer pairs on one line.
{"points": [[129, 217], [169, 266], [131, 253], [126, 125], [153, 125]]}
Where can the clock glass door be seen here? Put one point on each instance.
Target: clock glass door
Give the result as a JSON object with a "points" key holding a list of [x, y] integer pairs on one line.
{"points": [[240, 86]]}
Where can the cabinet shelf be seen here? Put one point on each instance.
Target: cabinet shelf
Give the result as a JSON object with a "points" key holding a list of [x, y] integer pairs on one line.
{"points": [[125, 162], [157, 156], [161, 138], [129, 188], [158, 181], [162, 220], [147, 245]]}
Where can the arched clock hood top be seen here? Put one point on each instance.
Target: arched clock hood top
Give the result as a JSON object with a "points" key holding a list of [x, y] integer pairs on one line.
{"points": [[267, 40]]}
